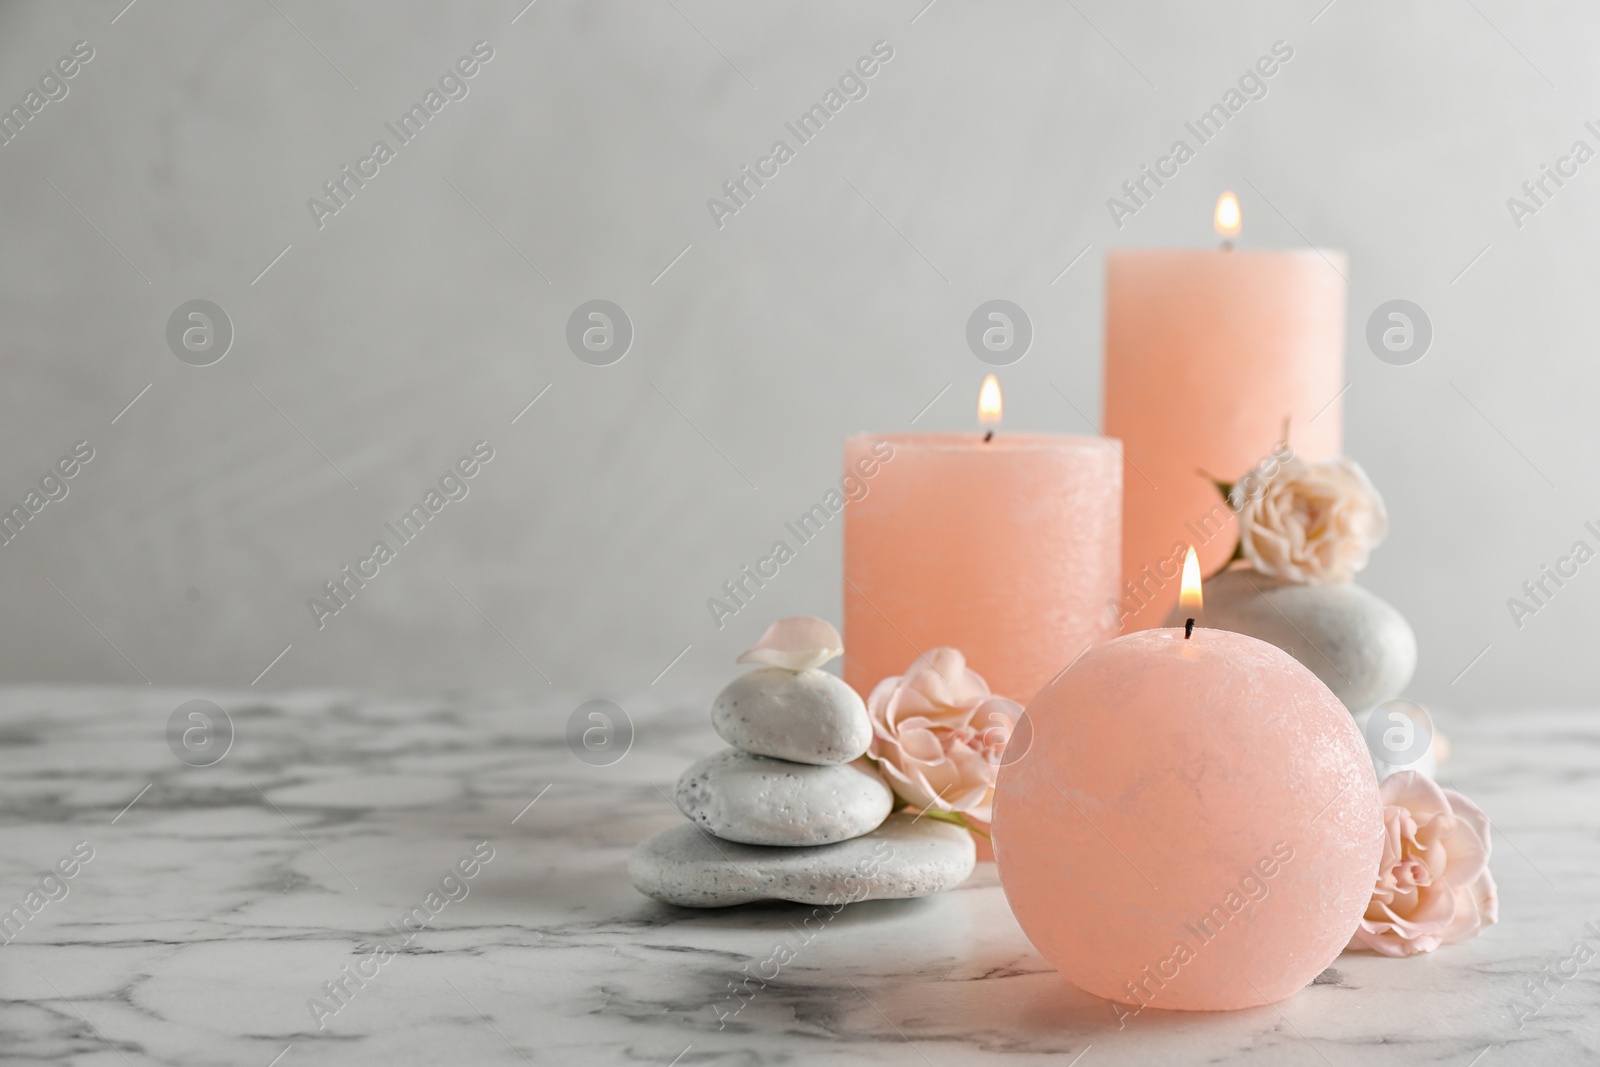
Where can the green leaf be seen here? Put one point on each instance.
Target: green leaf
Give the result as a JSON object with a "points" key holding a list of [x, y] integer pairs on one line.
{"points": [[1225, 488], [1238, 554], [955, 818]]}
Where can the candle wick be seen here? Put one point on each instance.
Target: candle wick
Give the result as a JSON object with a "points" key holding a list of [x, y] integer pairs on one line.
{"points": [[989, 436], [1227, 246], [1188, 629]]}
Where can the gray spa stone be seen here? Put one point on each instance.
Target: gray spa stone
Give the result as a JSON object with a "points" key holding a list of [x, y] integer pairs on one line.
{"points": [[902, 858], [1360, 646], [761, 801], [804, 716]]}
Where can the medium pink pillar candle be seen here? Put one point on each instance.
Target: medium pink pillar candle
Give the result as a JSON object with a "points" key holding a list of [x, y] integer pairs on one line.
{"points": [[1207, 352], [1007, 550]]}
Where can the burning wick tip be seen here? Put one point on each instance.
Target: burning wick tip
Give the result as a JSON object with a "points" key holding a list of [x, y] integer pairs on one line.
{"points": [[989, 436], [1188, 629]]}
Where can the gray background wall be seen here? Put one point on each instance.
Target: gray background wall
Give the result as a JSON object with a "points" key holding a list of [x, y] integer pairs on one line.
{"points": [[427, 313]]}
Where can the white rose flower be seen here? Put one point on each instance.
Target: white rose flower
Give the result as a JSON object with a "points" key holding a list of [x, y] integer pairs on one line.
{"points": [[1313, 523]]}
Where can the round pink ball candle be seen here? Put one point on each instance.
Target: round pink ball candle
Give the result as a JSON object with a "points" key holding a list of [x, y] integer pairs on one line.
{"points": [[1192, 824], [1007, 549]]}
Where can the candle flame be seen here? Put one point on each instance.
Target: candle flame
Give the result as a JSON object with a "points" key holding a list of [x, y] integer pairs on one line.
{"points": [[1228, 218], [989, 403], [1190, 599]]}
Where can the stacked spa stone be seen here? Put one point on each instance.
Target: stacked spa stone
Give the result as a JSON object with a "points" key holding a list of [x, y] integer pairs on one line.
{"points": [[791, 811], [789, 779]]}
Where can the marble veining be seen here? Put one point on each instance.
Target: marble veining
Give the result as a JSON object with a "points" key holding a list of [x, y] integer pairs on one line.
{"points": [[221, 901]]}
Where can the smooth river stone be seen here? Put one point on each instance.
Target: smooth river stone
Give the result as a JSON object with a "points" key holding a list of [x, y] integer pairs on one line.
{"points": [[1358, 645], [761, 801], [902, 858], [803, 716]]}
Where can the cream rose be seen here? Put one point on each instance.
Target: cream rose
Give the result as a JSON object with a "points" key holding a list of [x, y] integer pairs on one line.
{"points": [[937, 734], [1312, 523], [1434, 886]]}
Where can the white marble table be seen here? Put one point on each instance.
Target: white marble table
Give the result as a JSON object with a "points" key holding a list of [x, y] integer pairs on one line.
{"points": [[220, 902]]}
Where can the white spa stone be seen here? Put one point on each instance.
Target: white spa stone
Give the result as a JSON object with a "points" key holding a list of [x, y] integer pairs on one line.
{"points": [[807, 716], [1360, 646], [905, 857], [761, 801]]}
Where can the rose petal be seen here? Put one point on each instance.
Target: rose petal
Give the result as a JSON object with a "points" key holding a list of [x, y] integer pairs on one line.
{"points": [[922, 746], [1417, 793], [1477, 906], [1381, 941], [935, 674], [1393, 830], [995, 720], [912, 789], [1428, 848], [796, 643], [1436, 909], [1469, 813]]}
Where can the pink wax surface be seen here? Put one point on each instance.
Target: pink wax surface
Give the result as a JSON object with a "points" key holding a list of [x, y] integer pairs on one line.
{"points": [[1188, 824], [1207, 352], [1008, 550]]}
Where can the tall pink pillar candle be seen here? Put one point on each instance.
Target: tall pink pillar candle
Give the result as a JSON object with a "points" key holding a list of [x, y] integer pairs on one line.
{"points": [[1006, 549], [1207, 352]]}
